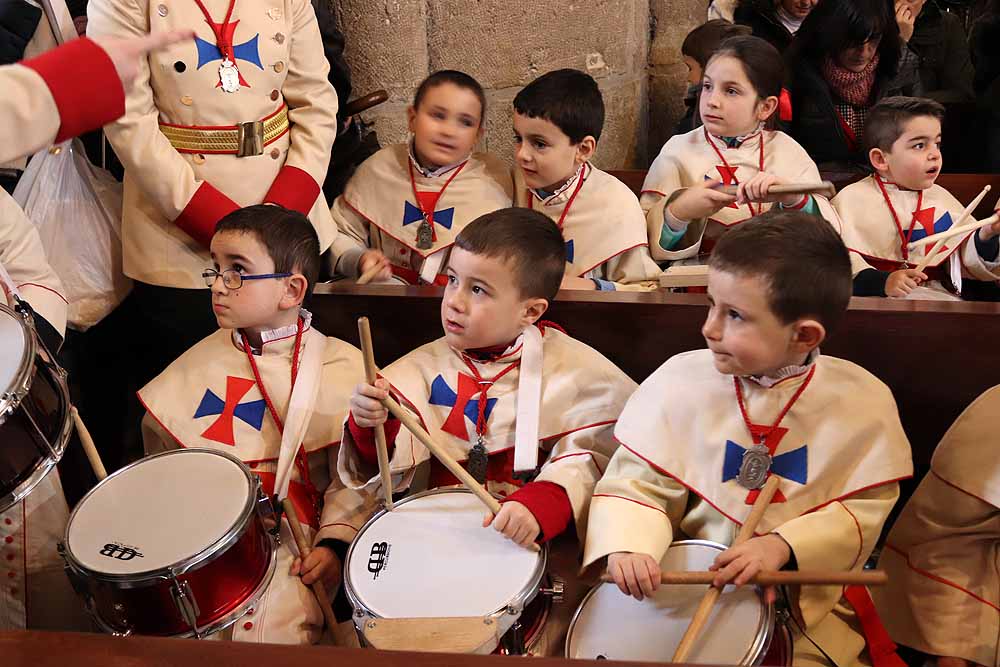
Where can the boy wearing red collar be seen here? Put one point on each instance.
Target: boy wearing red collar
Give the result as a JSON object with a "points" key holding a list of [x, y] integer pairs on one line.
{"points": [[266, 358], [761, 392], [884, 215], [558, 119], [401, 211]]}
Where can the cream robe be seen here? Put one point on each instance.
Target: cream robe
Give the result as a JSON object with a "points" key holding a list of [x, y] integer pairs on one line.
{"points": [[871, 234], [378, 211], [840, 451], [604, 230], [215, 371], [282, 60], [35, 592], [688, 159], [943, 553]]}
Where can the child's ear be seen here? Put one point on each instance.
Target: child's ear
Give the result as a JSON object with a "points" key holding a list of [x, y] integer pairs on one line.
{"points": [[295, 292], [878, 159], [533, 310], [411, 118], [766, 108], [586, 149], [807, 336]]}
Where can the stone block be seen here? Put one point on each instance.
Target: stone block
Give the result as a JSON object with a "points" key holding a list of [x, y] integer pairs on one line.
{"points": [[667, 85], [672, 21], [507, 44], [623, 142]]}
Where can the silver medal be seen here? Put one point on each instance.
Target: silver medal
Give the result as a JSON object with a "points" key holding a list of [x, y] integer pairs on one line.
{"points": [[425, 236], [229, 76], [754, 468]]}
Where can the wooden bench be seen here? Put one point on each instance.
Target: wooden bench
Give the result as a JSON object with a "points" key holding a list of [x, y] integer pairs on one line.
{"points": [[929, 353], [964, 187]]}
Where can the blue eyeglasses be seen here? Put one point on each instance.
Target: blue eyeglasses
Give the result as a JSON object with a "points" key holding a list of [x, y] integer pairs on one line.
{"points": [[233, 279]]}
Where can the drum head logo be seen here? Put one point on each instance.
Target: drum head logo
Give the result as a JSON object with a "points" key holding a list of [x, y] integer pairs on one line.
{"points": [[120, 551], [378, 558]]}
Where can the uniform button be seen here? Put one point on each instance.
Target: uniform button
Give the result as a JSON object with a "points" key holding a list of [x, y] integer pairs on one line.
{"points": [[198, 159], [275, 95], [275, 153], [10, 556], [279, 38], [179, 66], [403, 251], [250, 612], [248, 626], [279, 67], [162, 10], [186, 100], [252, 464], [8, 521], [8, 539]]}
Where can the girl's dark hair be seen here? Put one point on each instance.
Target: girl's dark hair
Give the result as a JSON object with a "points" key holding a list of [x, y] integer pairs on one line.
{"points": [[761, 62], [456, 78], [835, 25]]}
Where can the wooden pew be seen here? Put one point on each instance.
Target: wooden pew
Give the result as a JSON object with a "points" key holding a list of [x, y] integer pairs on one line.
{"points": [[59, 649], [965, 187], [935, 356]]}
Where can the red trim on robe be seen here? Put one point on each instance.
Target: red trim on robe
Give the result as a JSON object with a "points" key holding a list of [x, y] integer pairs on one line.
{"points": [[631, 500], [73, 72], [294, 189], [44, 287], [941, 580], [203, 212]]}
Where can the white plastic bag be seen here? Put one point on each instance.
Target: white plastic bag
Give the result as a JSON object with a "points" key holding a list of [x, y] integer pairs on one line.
{"points": [[77, 210]]}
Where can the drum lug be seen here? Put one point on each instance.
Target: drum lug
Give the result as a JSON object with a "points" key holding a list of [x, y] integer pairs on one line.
{"points": [[186, 603], [556, 591]]}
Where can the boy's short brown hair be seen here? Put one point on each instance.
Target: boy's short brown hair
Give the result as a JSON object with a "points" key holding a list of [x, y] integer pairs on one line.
{"points": [[702, 42], [288, 237], [528, 240], [800, 256], [884, 122]]}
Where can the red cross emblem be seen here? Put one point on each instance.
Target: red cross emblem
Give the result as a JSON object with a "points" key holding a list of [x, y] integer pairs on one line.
{"points": [[251, 413]]}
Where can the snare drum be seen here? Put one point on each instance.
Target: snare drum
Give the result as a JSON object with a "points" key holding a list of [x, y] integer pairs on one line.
{"points": [[431, 557], [740, 631], [34, 409], [172, 545]]}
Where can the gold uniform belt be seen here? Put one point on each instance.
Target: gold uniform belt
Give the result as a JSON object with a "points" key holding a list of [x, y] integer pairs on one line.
{"points": [[243, 140]]}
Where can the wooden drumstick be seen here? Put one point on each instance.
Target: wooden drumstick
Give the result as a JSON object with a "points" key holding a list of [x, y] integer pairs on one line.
{"points": [[929, 256], [824, 188], [318, 588], [780, 578], [712, 594], [370, 274], [88, 445], [371, 373]]}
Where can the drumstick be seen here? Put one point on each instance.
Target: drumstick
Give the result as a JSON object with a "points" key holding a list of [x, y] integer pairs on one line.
{"points": [[780, 578], [365, 333], [712, 594], [929, 256], [825, 188], [367, 276], [318, 589], [88, 445]]}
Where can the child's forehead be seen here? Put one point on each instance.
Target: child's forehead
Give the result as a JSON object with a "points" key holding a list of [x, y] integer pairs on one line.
{"points": [[448, 94], [244, 244], [537, 125], [746, 289], [918, 126], [726, 68]]}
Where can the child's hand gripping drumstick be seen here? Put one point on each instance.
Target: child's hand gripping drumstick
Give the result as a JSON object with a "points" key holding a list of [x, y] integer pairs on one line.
{"points": [[371, 373], [453, 466], [712, 594], [318, 587]]}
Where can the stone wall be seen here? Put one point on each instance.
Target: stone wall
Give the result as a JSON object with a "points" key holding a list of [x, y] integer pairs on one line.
{"points": [[625, 44]]}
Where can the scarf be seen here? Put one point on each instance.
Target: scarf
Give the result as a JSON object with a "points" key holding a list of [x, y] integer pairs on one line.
{"points": [[855, 88]]}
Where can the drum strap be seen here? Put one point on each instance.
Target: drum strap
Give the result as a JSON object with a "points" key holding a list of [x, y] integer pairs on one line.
{"points": [[881, 648]]}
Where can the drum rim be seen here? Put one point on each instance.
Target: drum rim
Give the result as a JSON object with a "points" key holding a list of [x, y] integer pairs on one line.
{"points": [[9, 402], [11, 397], [762, 638], [362, 612], [150, 577]]}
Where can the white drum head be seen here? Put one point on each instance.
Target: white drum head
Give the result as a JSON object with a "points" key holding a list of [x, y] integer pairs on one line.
{"points": [[13, 343], [438, 560], [617, 627], [166, 509]]}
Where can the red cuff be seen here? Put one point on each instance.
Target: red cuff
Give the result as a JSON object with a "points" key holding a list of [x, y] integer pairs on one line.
{"points": [[203, 212], [84, 84], [550, 505], [294, 189], [364, 439]]}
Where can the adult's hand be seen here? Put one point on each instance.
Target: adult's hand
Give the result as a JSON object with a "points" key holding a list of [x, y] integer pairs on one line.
{"points": [[127, 53], [905, 18]]}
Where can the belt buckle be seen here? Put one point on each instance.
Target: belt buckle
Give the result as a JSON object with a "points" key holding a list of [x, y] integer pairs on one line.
{"points": [[250, 138]]}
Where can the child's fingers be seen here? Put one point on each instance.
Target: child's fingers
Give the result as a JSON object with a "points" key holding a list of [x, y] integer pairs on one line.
{"points": [[747, 573], [618, 575], [293, 571], [488, 519], [373, 391], [770, 594], [643, 581], [728, 573], [500, 521], [655, 574]]}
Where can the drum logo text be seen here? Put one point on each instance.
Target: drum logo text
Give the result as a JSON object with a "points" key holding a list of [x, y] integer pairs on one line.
{"points": [[120, 551], [378, 558]]}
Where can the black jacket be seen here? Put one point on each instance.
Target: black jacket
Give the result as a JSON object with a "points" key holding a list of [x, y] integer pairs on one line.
{"points": [[18, 21], [762, 18], [940, 44]]}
